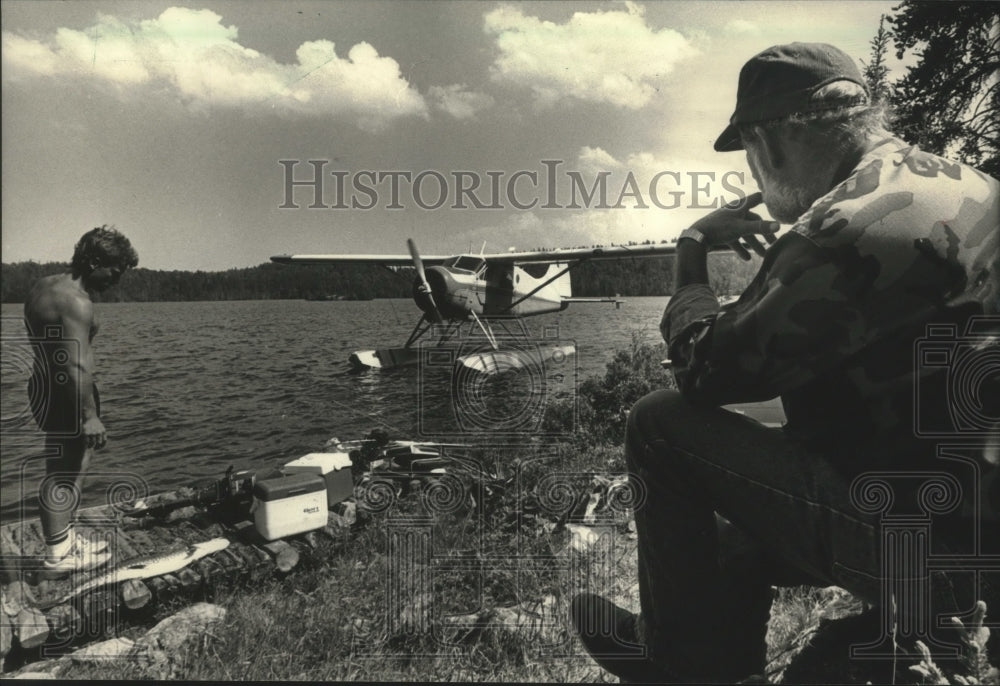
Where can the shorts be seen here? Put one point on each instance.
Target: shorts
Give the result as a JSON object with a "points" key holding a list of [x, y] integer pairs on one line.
{"points": [[52, 417]]}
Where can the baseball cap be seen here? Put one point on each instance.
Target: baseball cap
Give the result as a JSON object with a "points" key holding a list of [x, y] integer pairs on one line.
{"points": [[779, 82]]}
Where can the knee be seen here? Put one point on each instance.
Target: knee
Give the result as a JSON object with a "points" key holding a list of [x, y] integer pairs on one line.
{"points": [[68, 455], [650, 417]]}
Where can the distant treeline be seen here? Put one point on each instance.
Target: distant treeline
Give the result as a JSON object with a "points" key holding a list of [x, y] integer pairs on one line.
{"points": [[655, 276], [264, 282], [637, 277]]}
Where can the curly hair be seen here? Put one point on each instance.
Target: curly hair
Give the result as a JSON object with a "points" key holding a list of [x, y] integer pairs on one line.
{"points": [[103, 246]]}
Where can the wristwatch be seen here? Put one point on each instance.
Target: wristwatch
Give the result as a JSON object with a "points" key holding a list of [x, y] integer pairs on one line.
{"points": [[692, 233]]}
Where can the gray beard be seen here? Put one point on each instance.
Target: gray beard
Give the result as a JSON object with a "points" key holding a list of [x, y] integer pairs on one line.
{"points": [[787, 203], [784, 201]]}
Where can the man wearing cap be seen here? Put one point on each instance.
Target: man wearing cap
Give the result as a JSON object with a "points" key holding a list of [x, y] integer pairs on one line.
{"points": [[885, 241]]}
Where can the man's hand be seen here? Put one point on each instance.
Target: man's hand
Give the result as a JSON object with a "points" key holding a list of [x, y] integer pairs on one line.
{"points": [[736, 226], [94, 433]]}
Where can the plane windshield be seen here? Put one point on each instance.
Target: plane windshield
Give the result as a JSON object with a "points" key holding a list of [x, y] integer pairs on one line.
{"points": [[466, 263]]}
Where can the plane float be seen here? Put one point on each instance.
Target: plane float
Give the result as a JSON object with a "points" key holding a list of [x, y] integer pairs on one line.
{"points": [[486, 289]]}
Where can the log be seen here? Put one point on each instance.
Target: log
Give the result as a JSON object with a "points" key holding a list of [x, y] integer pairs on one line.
{"points": [[251, 555], [6, 635], [64, 620], [182, 514], [9, 605], [31, 627], [16, 531], [173, 583], [230, 562], [205, 569], [99, 603], [256, 562], [235, 564], [158, 586], [100, 516], [124, 548], [133, 524], [8, 548], [43, 586], [17, 596], [135, 594], [213, 529], [33, 539], [142, 542], [189, 578], [284, 555], [12, 539], [160, 505]]}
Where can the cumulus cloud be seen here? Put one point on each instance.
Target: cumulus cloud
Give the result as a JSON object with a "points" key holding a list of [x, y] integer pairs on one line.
{"points": [[596, 159], [459, 102], [202, 61], [610, 57]]}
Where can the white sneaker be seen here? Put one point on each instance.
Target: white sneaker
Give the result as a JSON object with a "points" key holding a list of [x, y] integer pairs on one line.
{"points": [[90, 545], [83, 555]]}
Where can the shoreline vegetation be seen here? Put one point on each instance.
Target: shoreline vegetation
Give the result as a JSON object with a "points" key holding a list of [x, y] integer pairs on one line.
{"points": [[639, 277], [502, 614]]}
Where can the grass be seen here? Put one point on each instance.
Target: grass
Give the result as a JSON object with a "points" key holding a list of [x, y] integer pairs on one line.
{"points": [[353, 615], [350, 616], [498, 591]]}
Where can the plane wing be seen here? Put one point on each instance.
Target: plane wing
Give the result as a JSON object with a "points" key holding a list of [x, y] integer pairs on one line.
{"points": [[614, 252], [388, 260]]}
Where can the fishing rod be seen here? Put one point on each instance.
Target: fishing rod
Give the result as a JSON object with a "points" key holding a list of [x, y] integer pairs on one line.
{"points": [[233, 487]]}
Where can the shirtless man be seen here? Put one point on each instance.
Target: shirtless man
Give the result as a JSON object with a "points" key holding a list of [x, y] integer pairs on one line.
{"points": [[59, 313]]}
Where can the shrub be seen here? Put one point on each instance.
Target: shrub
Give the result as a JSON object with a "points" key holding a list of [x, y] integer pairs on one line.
{"points": [[605, 402]]}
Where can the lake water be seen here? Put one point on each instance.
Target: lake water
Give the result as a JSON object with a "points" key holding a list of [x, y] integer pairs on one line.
{"points": [[189, 388]]}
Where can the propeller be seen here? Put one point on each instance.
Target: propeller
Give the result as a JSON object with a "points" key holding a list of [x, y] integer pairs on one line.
{"points": [[425, 287]]}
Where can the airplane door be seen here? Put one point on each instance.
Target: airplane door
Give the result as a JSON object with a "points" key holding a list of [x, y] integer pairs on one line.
{"points": [[499, 288]]}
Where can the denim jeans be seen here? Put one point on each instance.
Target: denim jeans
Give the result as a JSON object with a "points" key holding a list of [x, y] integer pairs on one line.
{"points": [[787, 518]]}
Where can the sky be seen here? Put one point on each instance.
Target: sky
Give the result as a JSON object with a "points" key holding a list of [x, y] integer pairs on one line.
{"points": [[216, 134]]}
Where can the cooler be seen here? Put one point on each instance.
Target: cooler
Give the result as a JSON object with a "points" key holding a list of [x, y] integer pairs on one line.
{"points": [[335, 468], [289, 505]]}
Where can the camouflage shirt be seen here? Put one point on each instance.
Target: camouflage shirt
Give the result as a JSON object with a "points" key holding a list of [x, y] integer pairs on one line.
{"points": [[842, 302]]}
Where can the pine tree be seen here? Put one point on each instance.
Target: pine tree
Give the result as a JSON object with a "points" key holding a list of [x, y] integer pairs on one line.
{"points": [[949, 101], [875, 72]]}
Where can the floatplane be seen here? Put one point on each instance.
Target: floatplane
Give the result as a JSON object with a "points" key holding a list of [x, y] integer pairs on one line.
{"points": [[488, 292]]}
